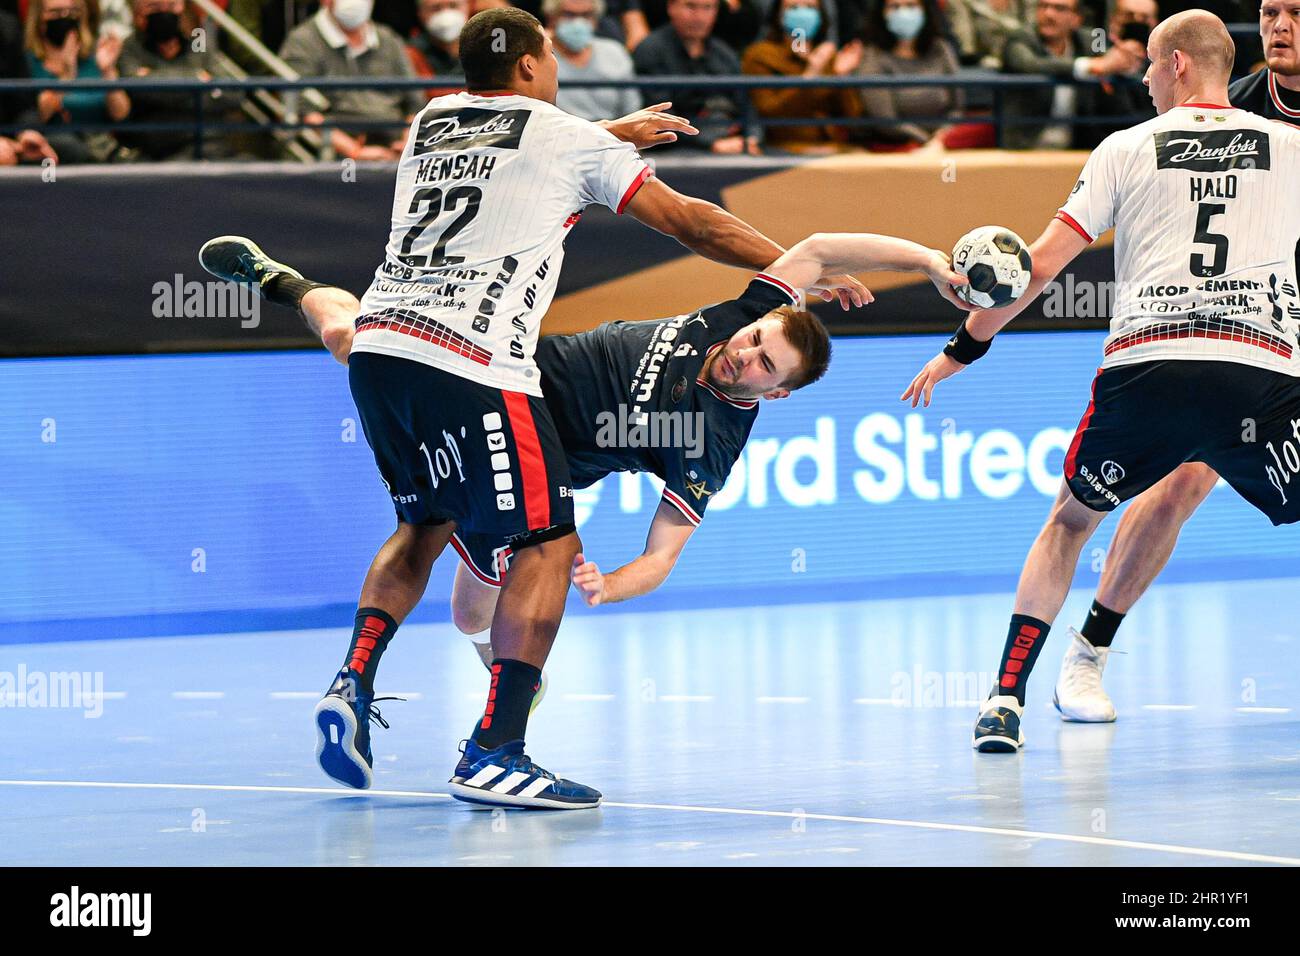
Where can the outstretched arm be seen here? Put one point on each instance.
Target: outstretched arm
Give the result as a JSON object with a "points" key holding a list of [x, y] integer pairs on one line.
{"points": [[708, 230], [1053, 251], [828, 253], [669, 532]]}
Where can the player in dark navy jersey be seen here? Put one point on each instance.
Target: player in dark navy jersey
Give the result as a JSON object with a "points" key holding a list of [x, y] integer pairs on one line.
{"points": [[675, 397]]}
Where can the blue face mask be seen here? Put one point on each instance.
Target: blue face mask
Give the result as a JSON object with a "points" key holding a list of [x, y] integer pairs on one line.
{"points": [[575, 33], [801, 22], [905, 22]]}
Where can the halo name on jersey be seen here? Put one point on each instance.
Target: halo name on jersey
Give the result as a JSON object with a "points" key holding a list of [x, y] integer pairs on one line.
{"points": [[1207, 220], [487, 189]]}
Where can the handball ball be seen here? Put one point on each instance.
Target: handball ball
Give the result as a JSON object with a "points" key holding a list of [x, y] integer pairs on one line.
{"points": [[997, 263]]}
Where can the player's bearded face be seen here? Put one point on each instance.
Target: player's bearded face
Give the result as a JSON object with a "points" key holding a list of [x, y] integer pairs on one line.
{"points": [[755, 361], [1279, 21]]}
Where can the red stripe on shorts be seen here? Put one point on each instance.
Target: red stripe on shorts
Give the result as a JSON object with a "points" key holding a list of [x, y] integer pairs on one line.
{"points": [[532, 463], [1083, 427]]}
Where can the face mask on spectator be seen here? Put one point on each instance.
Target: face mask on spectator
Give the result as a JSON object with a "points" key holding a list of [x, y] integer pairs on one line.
{"points": [[56, 31], [445, 25], [161, 27], [905, 22], [801, 21], [575, 33], [352, 13]]}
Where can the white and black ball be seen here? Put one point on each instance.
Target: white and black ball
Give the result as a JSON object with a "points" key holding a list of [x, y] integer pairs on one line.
{"points": [[997, 263]]}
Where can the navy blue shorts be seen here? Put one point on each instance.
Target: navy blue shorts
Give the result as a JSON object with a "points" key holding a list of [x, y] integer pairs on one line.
{"points": [[450, 449], [486, 556], [1147, 419]]}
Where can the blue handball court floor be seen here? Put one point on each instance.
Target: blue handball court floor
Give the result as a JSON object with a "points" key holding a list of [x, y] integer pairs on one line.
{"points": [[816, 734]]}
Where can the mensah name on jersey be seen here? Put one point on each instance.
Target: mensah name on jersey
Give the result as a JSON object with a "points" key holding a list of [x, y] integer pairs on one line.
{"points": [[487, 189]]}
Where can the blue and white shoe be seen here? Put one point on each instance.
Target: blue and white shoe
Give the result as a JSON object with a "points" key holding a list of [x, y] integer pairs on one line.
{"points": [[507, 777], [238, 259], [997, 729], [343, 732]]}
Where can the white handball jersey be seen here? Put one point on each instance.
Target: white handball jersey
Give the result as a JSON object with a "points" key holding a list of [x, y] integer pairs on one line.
{"points": [[1205, 201], [487, 189]]}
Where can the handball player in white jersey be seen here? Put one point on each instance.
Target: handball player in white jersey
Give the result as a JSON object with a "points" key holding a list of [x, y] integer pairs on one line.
{"points": [[443, 374], [1204, 352]]}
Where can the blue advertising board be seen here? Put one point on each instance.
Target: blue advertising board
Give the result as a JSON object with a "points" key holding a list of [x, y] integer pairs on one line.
{"points": [[196, 493]]}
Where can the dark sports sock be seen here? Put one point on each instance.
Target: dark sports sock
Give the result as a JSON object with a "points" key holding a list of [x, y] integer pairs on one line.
{"points": [[284, 289], [1024, 640], [506, 716], [371, 632], [1101, 624]]}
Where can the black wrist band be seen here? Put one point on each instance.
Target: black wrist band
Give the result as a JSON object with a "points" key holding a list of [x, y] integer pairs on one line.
{"points": [[965, 348]]}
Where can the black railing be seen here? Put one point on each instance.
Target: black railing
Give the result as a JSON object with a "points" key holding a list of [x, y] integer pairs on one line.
{"points": [[203, 127]]}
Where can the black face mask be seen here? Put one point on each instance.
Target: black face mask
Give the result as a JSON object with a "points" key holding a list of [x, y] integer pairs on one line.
{"points": [[56, 31], [161, 27]]}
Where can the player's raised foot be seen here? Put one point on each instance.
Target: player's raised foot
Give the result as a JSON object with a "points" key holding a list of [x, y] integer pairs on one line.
{"points": [[343, 732], [238, 259], [507, 777], [997, 729], [485, 655], [1079, 695]]}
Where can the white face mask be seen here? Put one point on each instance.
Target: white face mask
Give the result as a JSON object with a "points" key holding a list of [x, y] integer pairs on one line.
{"points": [[352, 13], [445, 25]]}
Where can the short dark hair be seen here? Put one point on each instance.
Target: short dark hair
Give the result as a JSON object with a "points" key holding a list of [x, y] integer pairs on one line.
{"points": [[492, 42], [805, 332]]}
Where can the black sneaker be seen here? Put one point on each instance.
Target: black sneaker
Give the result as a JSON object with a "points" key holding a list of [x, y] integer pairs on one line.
{"points": [[237, 259], [997, 729]]}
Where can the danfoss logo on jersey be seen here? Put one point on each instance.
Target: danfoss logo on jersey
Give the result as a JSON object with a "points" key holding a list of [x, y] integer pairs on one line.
{"points": [[887, 458], [469, 128], [1211, 151]]}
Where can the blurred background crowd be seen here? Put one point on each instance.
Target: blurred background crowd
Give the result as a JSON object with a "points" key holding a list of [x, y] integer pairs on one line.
{"points": [[199, 40]]}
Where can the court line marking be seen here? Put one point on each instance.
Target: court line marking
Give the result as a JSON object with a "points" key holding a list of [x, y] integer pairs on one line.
{"points": [[732, 811]]}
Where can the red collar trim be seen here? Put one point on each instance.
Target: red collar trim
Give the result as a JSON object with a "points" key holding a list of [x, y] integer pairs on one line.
{"points": [[493, 93], [1204, 106], [1276, 97]]}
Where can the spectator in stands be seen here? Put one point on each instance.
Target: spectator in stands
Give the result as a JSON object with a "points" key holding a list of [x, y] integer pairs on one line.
{"points": [[844, 19], [623, 21], [62, 46], [341, 40], [1059, 47], [584, 56], [796, 45], [740, 23], [161, 48], [685, 46], [982, 28], [23, 146], [903, 39], [437, 46]]}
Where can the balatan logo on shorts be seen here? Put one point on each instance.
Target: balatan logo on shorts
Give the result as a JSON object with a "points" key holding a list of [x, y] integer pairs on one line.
{"points": [[1111, 472]]}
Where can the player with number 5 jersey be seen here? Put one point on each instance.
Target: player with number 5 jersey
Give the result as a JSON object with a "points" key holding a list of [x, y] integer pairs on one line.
{"points": [[1201, 363]]}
